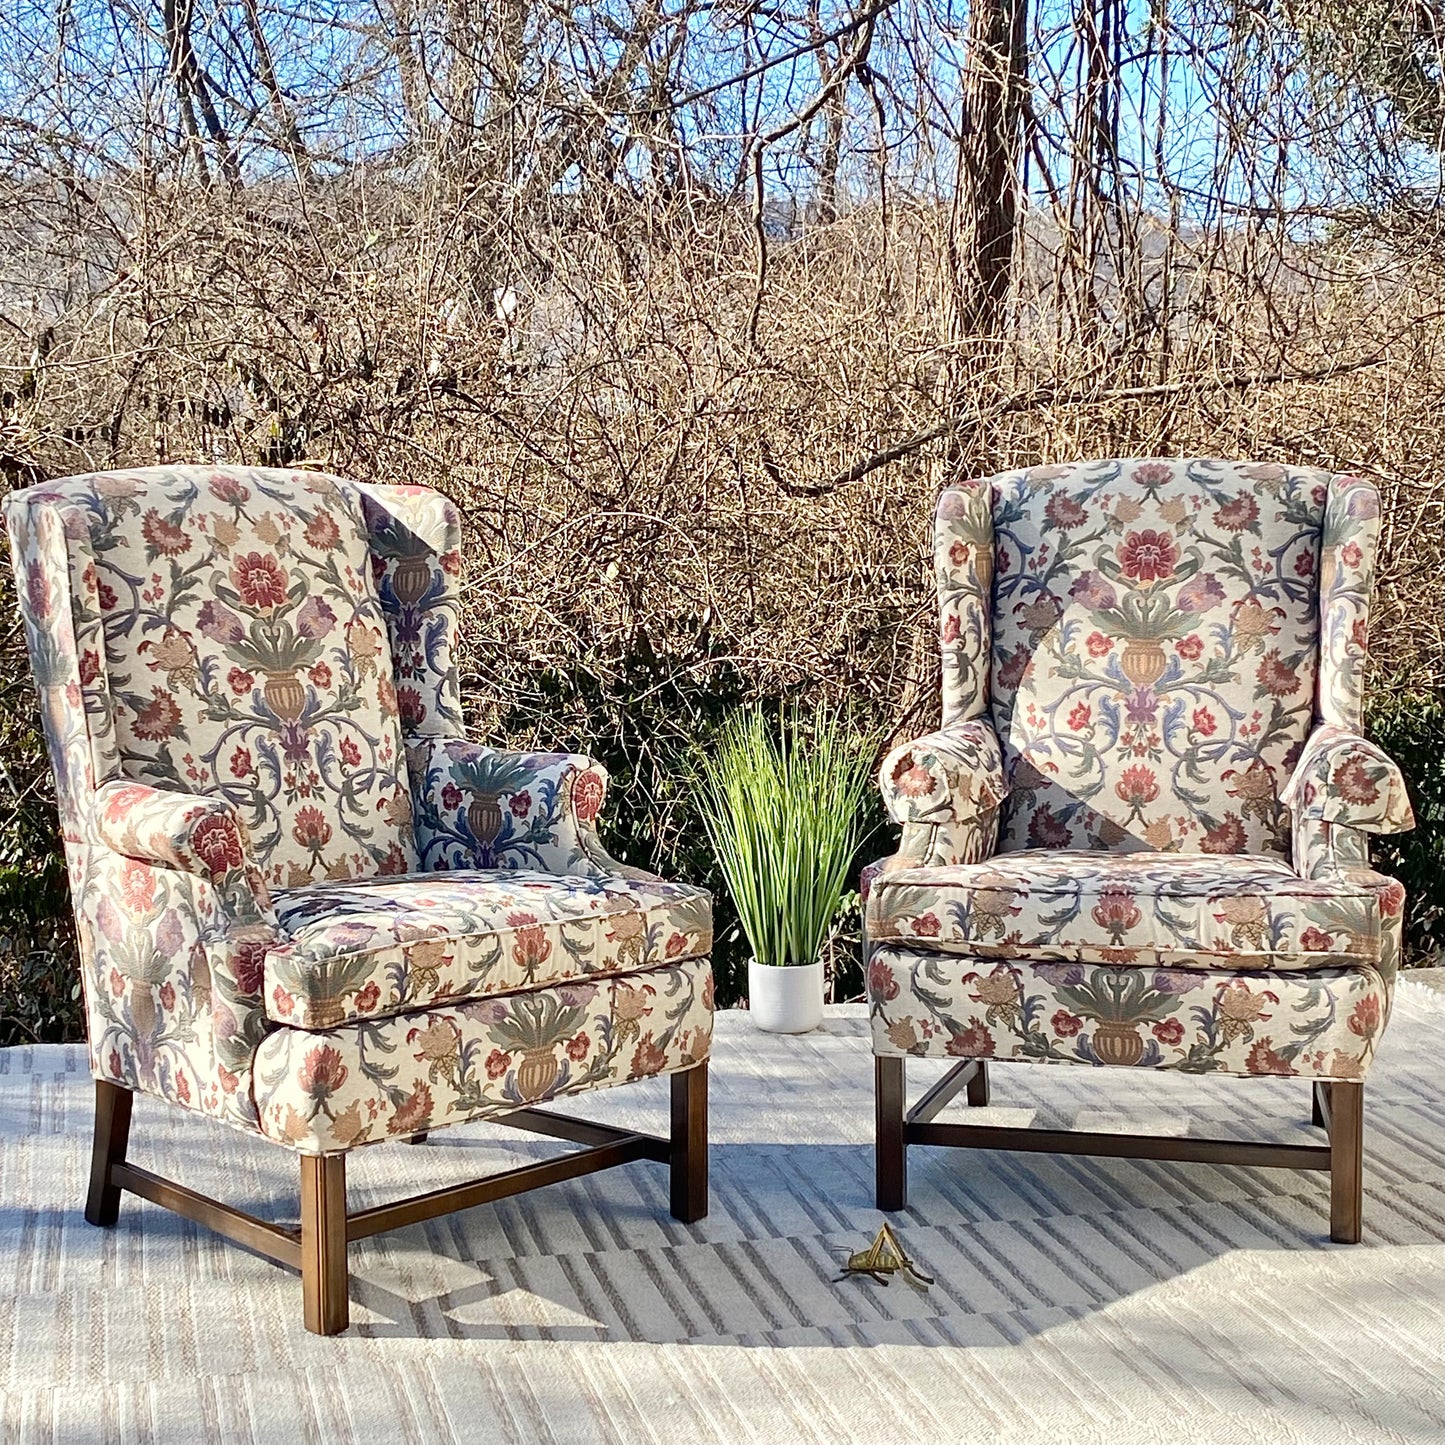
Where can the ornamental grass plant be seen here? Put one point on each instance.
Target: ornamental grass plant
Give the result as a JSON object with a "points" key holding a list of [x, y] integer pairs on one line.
{"points": [[784, 811]]}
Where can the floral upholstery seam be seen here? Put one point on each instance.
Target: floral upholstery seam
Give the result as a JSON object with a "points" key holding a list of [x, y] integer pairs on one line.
{"points": [[409, 944], [898, 880]]}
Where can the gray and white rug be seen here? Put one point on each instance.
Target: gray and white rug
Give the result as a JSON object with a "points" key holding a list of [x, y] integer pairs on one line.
{"points": [[1077, 1300]]}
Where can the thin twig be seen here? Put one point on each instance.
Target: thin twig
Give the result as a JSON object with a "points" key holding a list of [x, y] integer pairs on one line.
{"points": [[1052, 396]]}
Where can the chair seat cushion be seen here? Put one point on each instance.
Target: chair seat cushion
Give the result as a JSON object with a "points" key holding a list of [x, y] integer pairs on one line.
{"points": [[324, 1092], [1322, 1025], [370, 948], [1192, 910]]}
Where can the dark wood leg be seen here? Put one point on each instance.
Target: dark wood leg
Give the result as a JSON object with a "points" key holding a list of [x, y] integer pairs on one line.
{"points": [[1347, 1137], [687, 1158], [1317, 1113], [978, 1087], [323, 1243], [112, 1133], [317, 1248], [891, 1157], [417, 1138]]}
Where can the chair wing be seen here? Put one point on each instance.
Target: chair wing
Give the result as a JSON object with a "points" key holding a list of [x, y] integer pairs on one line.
{"points": [[474, 806], [963, 562], [415, 538]]}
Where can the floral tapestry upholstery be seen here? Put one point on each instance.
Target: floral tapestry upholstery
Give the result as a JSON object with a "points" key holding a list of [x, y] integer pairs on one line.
{"points": [[193, 832], [1347, 565], [1156, 637], [945, 789], [172, 980], [1171, 657], [480, 807], [232, 664], [963, 563], [1341, 778], [237, 648], [415, 537], [370, 948], [170, 935], [1188, 910], [323, 1093], [955, 775], [473, 806], [1323, 1024]]}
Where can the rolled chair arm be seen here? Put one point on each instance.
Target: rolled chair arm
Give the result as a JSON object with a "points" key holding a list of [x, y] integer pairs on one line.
{"points": [[481, 807], [1341, 778], [952, 776], [173, 882], [195, 833], [945, 790]]}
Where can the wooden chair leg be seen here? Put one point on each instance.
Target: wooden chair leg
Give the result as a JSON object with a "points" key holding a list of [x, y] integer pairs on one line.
{"points": [[688, 1159], [418, 1138], [890, 1151], [977, 1087], [112, 1134], [323, 1243], [1347, 1136]]}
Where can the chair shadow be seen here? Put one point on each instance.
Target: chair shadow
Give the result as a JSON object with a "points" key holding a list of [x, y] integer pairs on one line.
{"points": [[1014, 1242]]}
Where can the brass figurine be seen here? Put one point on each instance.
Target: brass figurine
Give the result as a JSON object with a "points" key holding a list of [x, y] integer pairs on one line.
{"points": [[883, 1258]]}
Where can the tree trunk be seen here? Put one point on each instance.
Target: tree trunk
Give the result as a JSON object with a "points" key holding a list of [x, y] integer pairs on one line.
{"points": [[990, 151], [191, 86]]}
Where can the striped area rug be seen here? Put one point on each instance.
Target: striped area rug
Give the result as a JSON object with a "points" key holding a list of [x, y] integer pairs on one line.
{"points": [[1076, 1300]]}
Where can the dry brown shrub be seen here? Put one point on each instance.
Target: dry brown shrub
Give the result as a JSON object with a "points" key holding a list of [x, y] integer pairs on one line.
{"points": [[652, 501]]}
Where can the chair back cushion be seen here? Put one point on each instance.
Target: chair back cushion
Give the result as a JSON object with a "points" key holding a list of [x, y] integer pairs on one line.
{"points": [[1155, 643], [245, 654]]}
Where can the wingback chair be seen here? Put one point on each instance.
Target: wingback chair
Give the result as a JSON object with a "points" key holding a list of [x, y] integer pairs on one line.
{"points": [[306, 905], [1139, 837]]}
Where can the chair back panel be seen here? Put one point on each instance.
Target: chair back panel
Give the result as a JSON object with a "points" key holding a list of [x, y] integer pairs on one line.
{"points": [[245, 654], [1155, 643]]}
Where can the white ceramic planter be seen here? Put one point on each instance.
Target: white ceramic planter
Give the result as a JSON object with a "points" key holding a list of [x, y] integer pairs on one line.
{"points": [[785, 1000]]}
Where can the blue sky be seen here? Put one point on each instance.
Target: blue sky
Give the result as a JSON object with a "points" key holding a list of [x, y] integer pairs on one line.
{"points": [[92, 67]]}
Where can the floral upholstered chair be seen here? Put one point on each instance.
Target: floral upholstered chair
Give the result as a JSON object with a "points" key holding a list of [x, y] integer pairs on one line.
{"points": [[307, 906], [1139, 837]]}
